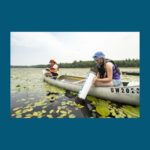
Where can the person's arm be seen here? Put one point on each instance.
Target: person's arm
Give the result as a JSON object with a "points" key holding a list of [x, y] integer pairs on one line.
{"points": [[56, 69], [109, 70]]}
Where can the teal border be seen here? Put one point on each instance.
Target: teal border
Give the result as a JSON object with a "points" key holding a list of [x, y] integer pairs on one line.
{"points": [[74, 16]]}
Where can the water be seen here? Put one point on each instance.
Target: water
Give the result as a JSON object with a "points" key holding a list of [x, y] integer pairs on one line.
{"points": [[33, 98]]}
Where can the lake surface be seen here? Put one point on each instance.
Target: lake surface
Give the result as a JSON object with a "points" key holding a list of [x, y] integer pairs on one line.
{"points": [[31, 97]]}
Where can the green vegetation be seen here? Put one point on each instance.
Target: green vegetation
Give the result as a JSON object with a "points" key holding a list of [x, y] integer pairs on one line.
{"points": [[33, 98], [87, 64], [108, 109]]}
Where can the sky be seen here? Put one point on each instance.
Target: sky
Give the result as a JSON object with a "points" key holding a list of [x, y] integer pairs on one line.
{"points": [[33, 48]]}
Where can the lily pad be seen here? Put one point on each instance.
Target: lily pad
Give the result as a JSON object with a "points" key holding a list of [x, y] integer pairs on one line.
{"points": [[51, 111], [91, 98], [57, 111], [43, 111], [35, 114], [16, 108], [63, 103], [103, 111], [80, 106], [72, 116], [30, 109], [19, 116], [131, 112], [12, 115], [63, 112], [62, 116], [18, 112], [49, 116], [28, 115], [59, 107]]}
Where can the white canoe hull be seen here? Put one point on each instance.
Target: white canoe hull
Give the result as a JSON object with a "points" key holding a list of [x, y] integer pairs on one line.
{"points": [[121, 94]]}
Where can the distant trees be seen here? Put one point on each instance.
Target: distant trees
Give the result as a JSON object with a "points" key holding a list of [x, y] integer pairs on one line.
{"points": [[80, 64], [87, 64], [128, 63], [34, 66]]}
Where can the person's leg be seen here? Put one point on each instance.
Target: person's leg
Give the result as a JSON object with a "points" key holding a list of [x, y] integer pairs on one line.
{"points": [[48, 74], [104, 83]]}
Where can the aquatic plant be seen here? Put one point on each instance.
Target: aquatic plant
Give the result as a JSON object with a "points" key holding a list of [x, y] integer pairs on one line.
{"points": [[33, 98]]}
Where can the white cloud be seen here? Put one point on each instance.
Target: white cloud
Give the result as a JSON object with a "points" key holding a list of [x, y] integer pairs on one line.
{"points": [[30, 48]]}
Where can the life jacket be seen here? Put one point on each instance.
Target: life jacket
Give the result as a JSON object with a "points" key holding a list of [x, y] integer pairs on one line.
{"points": [[51, 67], [102, 71]]}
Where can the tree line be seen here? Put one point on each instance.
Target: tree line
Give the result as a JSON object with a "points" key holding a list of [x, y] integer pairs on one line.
{"points": [[87, 64]]}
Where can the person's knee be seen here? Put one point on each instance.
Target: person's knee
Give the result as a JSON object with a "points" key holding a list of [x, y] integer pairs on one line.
{"points": [[111, 83], [97, 84], [94, 83]]}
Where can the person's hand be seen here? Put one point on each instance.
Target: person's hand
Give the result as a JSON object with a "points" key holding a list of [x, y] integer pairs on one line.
{"points": [[94, 80]]}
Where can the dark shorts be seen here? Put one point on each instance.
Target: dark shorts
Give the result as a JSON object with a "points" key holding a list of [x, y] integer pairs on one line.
{"points": [[116, 82], [54, 75]]}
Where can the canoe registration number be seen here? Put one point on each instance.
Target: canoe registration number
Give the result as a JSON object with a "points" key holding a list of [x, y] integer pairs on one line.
{"points": [[125, 90]]}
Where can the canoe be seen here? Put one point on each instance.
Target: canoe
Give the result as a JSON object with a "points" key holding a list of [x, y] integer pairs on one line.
{"points": [[126, 93], [131, 73]]}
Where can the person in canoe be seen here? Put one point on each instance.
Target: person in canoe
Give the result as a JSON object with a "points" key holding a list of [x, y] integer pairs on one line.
{"points": [[52, 72], [108, 72]]}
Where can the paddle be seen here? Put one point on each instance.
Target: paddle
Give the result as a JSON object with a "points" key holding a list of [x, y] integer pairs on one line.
{"points": [[85, 87]]}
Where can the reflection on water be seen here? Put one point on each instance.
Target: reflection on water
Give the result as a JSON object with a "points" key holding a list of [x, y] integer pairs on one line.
{"points": [[50, 105], [33, 98]]}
